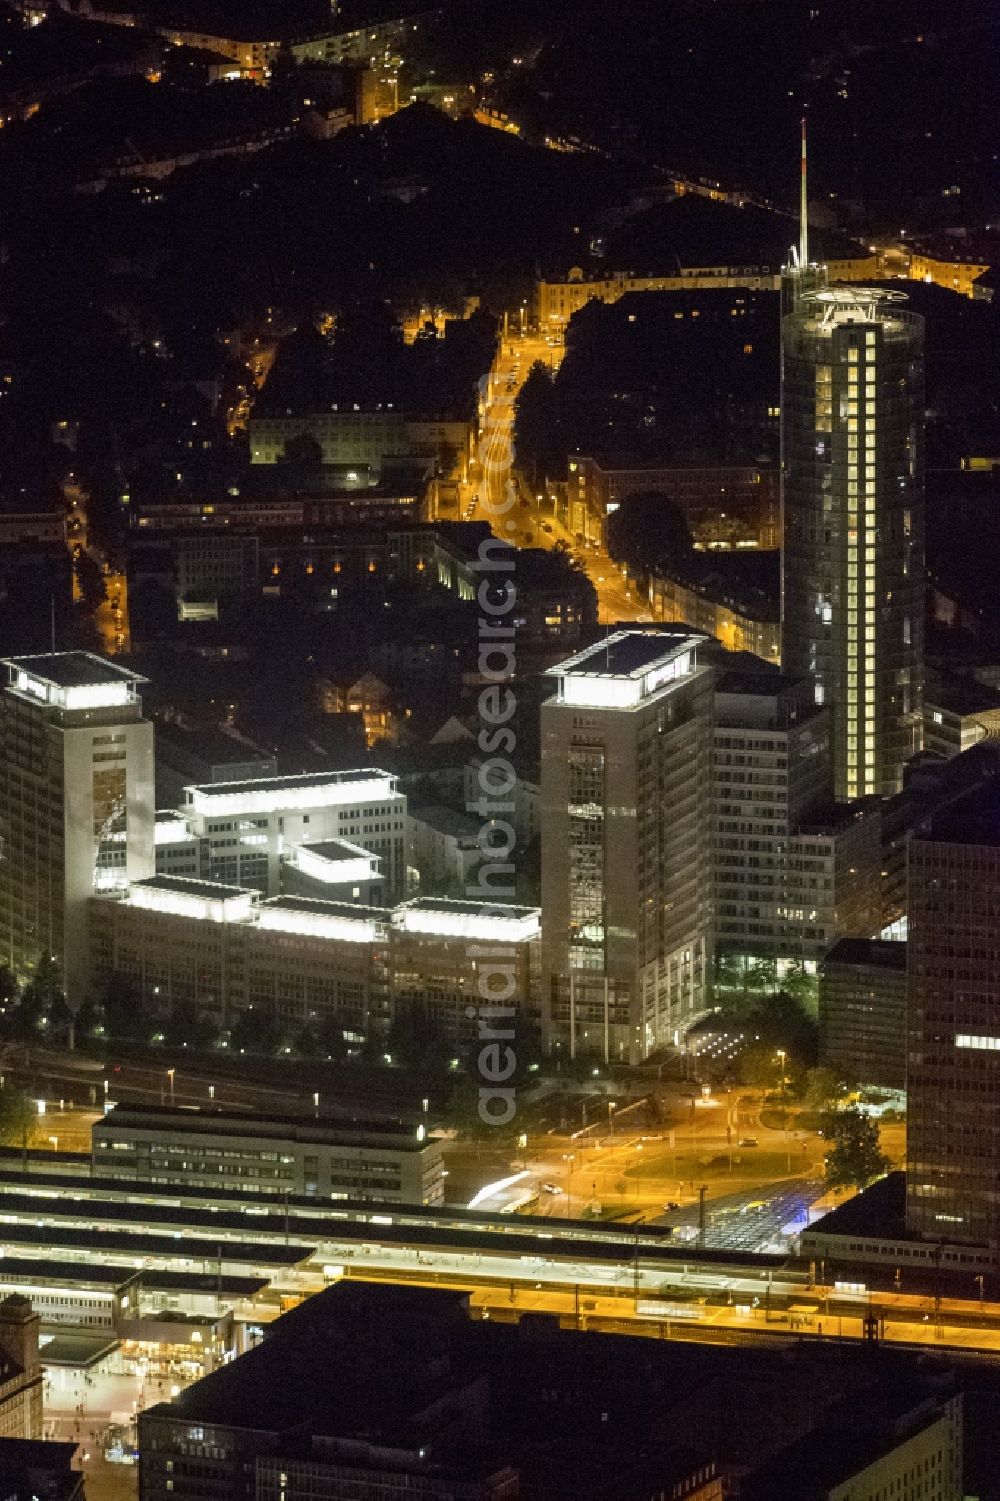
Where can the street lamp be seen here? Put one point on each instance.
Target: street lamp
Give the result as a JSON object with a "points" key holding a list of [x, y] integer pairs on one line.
{"points": [[170, 1076], [782, 1055]]}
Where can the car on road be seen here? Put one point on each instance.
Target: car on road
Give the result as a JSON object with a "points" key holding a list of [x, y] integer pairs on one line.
{"points": [[748, 1141], [672, 1204], [546, 527], [551, 1188]]}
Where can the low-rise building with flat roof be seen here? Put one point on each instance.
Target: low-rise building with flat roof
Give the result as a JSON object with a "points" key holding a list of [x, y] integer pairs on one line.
{"points": [[958, 713], [218, 1148]]}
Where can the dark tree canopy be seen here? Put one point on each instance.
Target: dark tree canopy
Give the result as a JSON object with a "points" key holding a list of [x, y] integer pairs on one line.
{"points": [[855, 1158], [648, 532]]}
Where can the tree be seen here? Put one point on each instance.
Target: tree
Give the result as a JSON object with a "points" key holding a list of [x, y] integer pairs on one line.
{"points": [[535, 419], [322, 1039], [823, 1089], [255, 1031], [417, 1040], [126, 1018], [855, 1158], [9, 994], [43, 1008], [18, 1115], [775, 1021], [648, 532], [187, 1027], [759, 1067], [91, 581], [91, 1025], [303, 451]]}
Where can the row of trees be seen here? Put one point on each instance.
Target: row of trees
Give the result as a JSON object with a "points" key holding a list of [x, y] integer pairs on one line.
{"points": [[38, 1009], [120, 1016]]}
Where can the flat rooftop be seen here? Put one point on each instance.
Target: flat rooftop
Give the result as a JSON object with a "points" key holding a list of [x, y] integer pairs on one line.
{"points": [[206, 1120], [881, 953], [877, 1212], [18, 1271], [191, 886], [211, 746], [333, 850], [973, 820], [72, 669], [84, 1246], [317, 907], [446, 821], [628, 653], [961, 696], [302, 782], [446, 904]]}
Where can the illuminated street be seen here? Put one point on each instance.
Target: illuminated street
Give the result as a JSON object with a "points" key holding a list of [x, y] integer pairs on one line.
{"points": [[532, 520]]}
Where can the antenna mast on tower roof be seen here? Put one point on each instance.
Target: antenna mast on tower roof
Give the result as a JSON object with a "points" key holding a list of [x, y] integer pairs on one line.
{"points": [[804, 204]]}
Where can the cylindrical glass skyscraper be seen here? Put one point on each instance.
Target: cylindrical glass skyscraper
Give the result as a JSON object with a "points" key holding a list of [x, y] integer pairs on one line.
{"points": [[852, 431]]}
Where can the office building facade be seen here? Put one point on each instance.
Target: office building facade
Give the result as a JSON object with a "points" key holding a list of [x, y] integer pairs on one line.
{"points": [[247, 833], [303, 960], [862, 1012], [852, 426], [76, 804], [216, 1148], [626, 863], [771, 768], [953, 1031]]}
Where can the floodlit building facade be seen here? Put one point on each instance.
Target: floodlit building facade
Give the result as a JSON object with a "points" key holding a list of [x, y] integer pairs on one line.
{"points": [[300, 959], [626, 865], [344, 830], [76, 803], [852, 424]]}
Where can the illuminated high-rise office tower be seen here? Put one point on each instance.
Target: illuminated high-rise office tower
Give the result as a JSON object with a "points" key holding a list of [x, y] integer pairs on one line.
{"points": [[626, 845], [76, 804], [852, 429]]}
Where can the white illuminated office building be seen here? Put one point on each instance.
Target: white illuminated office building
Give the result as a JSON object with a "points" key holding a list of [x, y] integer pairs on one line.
{"points": [[76, 803], [339, 835], [223, 949], [626, 865]]}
